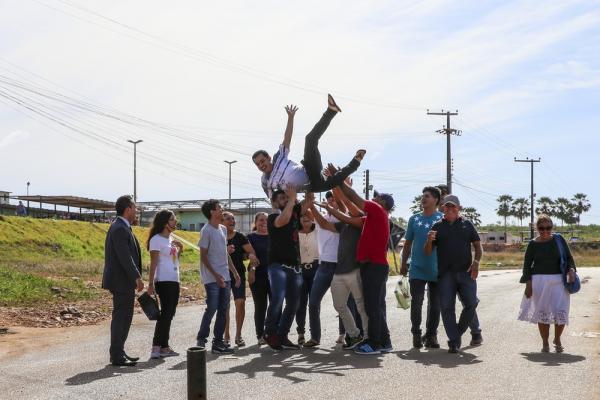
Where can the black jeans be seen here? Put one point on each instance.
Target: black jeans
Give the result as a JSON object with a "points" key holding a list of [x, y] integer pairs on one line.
{"points": [[374, 277], [122, 314], [312, 159], [308, 275], [261, 293], [168, 293], [417, 292]]}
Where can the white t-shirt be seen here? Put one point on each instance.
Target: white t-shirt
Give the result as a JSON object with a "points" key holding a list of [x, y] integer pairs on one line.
{"points": [[285, 173], [167, 268], [328, 241], [215, 241], [309, 250]]}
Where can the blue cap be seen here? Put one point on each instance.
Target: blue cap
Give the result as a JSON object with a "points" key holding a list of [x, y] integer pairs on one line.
{"points": [[387, 199]]}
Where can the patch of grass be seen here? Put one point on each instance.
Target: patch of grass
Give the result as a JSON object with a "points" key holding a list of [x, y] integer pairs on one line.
{"points": [[21, 288]]}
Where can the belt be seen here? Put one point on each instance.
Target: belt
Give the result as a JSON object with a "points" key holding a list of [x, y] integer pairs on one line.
{"points": [[296, 268], [308, 265]]}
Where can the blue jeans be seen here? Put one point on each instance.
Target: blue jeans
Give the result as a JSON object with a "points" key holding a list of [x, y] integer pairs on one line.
{"points": [[285, 284], [321, 283], [474, 326], [217, 301], [308, 276], [374, 278], [450, 284], [417, 292]]}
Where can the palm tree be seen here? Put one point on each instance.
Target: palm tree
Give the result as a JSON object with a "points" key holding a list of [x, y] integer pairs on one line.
{"points": [[504, 208], [416, 205], [565, 211], [520, 209], [546, 206], [472, 215], [581, 205]]}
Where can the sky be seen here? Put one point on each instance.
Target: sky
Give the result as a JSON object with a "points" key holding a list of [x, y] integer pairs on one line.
{"points": [[210, 81]]}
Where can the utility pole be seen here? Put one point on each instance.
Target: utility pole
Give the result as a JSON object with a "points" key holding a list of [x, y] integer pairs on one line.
{"points": [[135, 143], [230, 162], [531, 161], [28, 183], [368, 186], [448, 132]]}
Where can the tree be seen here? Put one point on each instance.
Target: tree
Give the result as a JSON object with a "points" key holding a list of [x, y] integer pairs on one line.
{"points": [[416, 205], [520, 209], [581, 204], [565, 211], [546, 206], [472, 215], [504, 207], [401, 222]]}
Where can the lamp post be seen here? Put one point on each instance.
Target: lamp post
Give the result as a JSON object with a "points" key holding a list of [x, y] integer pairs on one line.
{"points": [[230, 162], [28, 183], [135, 143]]}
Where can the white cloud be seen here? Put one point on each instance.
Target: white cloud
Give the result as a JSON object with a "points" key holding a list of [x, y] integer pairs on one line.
{"points": [[14, 137]]}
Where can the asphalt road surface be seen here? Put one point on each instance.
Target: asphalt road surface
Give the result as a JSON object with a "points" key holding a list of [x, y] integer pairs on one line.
{"points": [[72, 364]]}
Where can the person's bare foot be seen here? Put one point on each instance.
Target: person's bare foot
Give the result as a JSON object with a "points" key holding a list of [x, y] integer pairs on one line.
{"points": [[331, 104], [360, 154]]}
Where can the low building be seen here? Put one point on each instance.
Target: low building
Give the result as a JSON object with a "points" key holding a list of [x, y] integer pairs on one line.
{"points": [[499, 238], [4, 197]]}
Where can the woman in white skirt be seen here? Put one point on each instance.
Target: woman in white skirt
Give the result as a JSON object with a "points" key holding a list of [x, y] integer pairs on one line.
{"points": [[546, 300]]}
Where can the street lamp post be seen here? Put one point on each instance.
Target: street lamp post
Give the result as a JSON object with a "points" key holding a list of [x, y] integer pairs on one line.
{"points": [[135, 143], [230, 162], [28, 183]]}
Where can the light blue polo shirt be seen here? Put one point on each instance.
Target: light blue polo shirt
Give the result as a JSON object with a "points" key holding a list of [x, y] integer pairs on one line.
{"points": [[421, 266]]}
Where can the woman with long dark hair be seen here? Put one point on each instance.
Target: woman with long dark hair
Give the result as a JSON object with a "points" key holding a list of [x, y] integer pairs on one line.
{"points": [[164, 278], [258, 276]]}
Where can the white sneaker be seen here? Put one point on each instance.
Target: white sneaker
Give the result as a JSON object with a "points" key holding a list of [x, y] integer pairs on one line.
{"points": [[155, 352]]}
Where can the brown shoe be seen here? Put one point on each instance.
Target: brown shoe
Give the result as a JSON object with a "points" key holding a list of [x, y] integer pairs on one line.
{"points": [[332, 105]]}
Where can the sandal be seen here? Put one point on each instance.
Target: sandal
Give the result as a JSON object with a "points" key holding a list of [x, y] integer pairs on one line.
{"points": [[331, 104], [546, 349], [558, 347], [239, 342]]}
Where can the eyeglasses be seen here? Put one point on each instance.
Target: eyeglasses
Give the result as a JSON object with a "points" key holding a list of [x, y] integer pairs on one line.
{"points": [[544, 228]]}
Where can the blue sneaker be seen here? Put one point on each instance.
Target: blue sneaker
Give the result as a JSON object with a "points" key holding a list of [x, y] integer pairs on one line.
{"points": [[386, 348], [365, 349]]}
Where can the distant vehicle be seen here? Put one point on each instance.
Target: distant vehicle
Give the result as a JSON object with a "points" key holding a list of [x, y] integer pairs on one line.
{"points": [[575, 239]]}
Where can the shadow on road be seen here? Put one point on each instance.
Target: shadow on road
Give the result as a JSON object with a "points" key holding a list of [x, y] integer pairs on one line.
{"points": [[441, 358], [289, 364], [552, 359], [110, 371]]}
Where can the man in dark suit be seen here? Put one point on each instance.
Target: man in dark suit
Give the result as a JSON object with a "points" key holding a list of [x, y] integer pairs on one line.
{"points": [[122, 276]]}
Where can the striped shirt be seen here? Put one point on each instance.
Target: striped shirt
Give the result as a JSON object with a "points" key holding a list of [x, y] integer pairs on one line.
{"points": [[285, 173]]}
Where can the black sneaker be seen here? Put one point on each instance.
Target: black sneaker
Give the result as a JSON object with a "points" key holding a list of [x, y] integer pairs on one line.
{"points": [[273, 342], [221, 348], [288, 344], [417, 341], [431, 342], [476, 339], [453, 348], [352, 342]]}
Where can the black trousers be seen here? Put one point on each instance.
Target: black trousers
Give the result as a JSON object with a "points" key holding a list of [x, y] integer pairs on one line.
{"points": [[168, 294], [374, 277], [417, 292], [122, 314], [261, 293], [312, 159]]}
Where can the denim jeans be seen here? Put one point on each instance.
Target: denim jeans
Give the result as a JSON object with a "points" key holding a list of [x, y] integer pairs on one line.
{"points": [[417, 292], [312, 159], [285, 285], [308, 276], [474, 326], [374, 278], [217, 301], [320, 285], [261, 294], [450, 284]]}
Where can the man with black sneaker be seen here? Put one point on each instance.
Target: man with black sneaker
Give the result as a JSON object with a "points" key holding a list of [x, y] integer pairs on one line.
{"points": [[453, 236], [423, 269], [474, 326], [285, 274]]}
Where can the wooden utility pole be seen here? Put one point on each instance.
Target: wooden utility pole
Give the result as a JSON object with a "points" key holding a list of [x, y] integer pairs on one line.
{"points": [[531, 161]]}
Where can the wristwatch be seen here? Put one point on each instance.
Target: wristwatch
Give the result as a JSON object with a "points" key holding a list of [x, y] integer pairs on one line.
{"points": [[252, 268]]}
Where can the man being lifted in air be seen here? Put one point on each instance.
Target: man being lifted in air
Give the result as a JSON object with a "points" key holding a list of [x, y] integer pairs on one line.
{"points": [[281, 173]]}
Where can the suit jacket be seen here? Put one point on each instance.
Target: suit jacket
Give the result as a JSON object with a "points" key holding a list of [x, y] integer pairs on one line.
{"points": [[122, 258]]}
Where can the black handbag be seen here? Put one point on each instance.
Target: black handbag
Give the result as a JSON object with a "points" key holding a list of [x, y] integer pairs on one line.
{"points": [[150, 306]]}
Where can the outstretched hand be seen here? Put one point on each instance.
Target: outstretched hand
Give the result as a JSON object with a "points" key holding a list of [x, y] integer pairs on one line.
{"points": [[331, 170], [291, 110]]}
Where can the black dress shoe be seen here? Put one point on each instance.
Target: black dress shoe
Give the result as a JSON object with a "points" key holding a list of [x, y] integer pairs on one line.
{"points": [[123, 362], [134, 359]]}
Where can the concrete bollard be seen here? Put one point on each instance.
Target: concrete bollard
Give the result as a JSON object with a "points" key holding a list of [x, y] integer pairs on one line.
{"points": [[196, 373]]}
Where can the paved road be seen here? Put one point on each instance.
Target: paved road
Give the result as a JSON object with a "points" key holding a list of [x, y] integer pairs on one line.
{"points": [[507, 366]]}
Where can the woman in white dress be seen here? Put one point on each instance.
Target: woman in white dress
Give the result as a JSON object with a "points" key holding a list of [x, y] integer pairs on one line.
{"points": [[546, 301]]}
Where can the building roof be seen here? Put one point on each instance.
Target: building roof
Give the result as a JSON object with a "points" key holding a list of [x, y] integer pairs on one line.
{"points": [[71, 201]]}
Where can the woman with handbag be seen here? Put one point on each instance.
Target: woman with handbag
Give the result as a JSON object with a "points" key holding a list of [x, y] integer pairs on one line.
{"points": [[547, 300], [164, 278]]}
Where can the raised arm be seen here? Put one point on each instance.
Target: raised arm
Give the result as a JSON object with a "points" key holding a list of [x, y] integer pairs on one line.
{"points": [[286, 215], [354, 221], [289, 128], [323, 223], [353, 196], [350, 206]]}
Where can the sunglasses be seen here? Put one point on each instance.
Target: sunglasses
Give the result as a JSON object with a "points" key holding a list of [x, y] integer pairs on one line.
{"points": [[544, 228]]}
